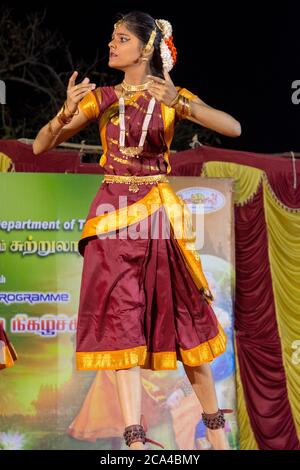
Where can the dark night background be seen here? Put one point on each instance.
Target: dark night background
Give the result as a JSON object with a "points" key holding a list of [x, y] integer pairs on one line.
{"points": [[237, 57]]}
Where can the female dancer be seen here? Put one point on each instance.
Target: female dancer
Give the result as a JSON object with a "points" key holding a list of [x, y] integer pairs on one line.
{"points": [[144, 301]]}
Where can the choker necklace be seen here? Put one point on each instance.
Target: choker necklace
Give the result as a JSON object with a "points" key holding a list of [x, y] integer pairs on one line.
{"points": [[133, 88], [133, 151]]}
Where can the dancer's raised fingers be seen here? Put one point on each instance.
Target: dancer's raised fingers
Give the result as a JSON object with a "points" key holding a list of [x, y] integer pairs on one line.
{"points": [[72, 79]]}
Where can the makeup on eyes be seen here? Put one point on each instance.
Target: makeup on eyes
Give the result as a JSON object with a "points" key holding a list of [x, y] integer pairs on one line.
{"points": [[121, 35]]}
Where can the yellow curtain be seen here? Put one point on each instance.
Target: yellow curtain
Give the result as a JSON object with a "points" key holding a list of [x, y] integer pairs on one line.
{"points": [[283, 226], [6, 163], [247, 439], [283, 230], [246, 178]]}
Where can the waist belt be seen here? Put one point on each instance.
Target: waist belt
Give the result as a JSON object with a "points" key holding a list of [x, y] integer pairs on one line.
{"points": [[134, 181]]}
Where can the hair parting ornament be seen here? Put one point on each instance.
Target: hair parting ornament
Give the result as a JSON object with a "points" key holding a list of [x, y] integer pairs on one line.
{"points": [[168, 51]]}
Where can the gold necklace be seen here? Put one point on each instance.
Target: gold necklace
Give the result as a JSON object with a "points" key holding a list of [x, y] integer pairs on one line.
{"points": [[132, 88]]}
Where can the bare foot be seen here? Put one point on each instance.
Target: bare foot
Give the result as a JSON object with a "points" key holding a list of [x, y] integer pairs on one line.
{"points": [[217, 438], [137, 446]]}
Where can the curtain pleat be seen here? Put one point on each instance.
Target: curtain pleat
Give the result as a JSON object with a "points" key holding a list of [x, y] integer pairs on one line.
{"points": [[284, 254]]}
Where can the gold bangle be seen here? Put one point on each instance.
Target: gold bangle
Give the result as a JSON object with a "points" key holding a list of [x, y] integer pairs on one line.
{"points": [[72, 114], [174, 101], [179, 106], [51, 130], [183, 107], [187, 109], [63, 119]]}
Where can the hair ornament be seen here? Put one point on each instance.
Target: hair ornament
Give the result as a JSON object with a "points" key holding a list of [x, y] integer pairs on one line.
{"points": [[168, 51]]}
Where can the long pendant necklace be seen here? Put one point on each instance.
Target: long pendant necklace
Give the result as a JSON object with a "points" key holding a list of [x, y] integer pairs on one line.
{"points": [[133, 151]]}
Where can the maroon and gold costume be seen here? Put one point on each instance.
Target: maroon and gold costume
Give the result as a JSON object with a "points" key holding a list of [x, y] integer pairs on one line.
{"points": [[143, 301]]}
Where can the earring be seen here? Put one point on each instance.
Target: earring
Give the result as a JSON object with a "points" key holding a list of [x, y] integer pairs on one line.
{"points": [[145, 59]]}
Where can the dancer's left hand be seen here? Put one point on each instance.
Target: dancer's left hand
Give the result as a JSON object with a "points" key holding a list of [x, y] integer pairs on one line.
{"points": [[163, 91]]}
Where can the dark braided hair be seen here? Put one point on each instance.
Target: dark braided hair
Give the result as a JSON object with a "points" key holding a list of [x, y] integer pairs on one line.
{"points": [[141, 25]]}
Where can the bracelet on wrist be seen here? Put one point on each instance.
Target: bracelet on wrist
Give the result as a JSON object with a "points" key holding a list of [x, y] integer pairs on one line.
{"points": [[51, 130], [62, 118], [67, 108], [183, 106], [174, 101]]}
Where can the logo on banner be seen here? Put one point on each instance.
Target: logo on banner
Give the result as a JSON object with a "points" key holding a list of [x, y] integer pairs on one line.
{"points": [[200, 199]]}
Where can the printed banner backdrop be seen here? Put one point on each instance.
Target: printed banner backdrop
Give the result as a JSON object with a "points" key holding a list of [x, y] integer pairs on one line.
{"points": [[47, 404]]}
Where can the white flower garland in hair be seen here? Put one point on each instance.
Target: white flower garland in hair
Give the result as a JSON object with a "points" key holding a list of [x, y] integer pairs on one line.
{"points": [[166, 55]]}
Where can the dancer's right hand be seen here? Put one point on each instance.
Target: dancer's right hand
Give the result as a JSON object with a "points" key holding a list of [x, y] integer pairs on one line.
{"points": [[75, 93]]}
